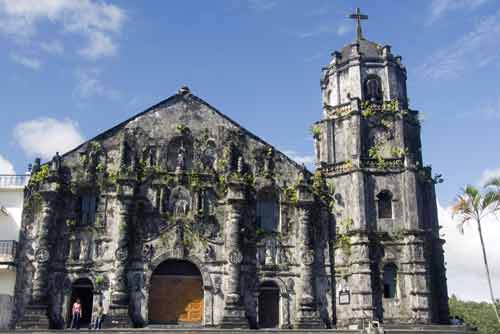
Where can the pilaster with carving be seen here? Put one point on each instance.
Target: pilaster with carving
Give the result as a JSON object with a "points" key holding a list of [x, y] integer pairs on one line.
{"points": [[234, 312], [36, 312], [307, 315], [120, 297]]}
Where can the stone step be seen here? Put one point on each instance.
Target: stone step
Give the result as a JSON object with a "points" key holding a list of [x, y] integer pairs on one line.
{"points": [[407, 329]]}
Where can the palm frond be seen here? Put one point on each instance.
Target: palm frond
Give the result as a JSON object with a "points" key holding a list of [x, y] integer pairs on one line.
{"points": [[494, 182]]}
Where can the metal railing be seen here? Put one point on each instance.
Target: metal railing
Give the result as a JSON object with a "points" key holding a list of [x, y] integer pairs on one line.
{"points": [[8, 251], [13, 181]]}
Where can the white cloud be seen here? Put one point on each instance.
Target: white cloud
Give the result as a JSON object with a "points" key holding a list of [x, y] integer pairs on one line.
{"points": [[343, 29], [96, 21], [45, 136], [100, 45], [262, 5], [53, 47], [477, 48], [340, 30], [488, 175], [6, 166], [463, 256], [89, 84], [439, 7], [308, 160], [29, 62]]}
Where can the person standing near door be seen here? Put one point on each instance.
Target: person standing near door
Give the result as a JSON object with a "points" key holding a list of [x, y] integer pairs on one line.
{"points": [[76, 314], [98, 314]]}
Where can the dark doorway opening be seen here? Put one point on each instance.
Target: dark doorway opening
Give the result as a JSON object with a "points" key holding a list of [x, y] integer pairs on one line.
{"points": [[269, 301], [176, 294], [83, 289]]}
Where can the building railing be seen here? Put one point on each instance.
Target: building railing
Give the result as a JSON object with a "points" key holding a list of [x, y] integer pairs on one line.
{"points": [[8, 251], [13, 181], [338, 110]]}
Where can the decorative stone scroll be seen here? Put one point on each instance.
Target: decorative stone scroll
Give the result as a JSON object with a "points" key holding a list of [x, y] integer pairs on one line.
{"points": [[235, 257], [121, 253], [308, 257], [42, 255]]}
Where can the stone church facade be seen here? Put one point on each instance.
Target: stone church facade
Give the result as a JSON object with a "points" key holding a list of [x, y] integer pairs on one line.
{"points": [[179, 215]]}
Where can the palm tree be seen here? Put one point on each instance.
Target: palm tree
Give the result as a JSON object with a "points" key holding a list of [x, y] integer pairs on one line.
{"points": [[472, 206]]}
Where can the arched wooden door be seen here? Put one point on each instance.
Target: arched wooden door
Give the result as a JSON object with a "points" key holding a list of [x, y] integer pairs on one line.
{"points": [[176, 294], [269, 301]]}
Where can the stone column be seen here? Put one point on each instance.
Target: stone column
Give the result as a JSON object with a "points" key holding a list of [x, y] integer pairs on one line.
{"points": [[307, 315], [118, 309], [36, 312], [234, 313]]}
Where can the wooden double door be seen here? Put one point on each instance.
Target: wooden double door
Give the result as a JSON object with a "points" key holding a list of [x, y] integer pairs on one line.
{"points": [[175, 299]]}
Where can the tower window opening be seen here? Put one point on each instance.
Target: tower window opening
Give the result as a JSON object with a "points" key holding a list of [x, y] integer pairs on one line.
{"points": [[384, 204], [373, 89], [390, 280]]}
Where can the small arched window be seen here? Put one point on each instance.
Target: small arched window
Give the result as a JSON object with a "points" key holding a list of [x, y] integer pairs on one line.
{"points": [[267, 211], [373, 88], [390, 280], [384, 204]]}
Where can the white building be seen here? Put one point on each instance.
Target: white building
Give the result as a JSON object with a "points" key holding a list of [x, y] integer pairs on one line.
{"points": [[11, 206]]}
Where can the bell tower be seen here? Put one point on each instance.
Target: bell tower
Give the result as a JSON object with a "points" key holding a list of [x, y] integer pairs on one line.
{"points": [[388, 254]]}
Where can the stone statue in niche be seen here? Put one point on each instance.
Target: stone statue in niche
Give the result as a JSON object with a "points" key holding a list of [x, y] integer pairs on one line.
{"points": [[181, 207], [98, 248], [240, 166], [151, 156], [208, 157], [269, 259], [181, 159], [283, 257], [209, 253], [373, 89], [180, 201], [55, 164], [86, 249]]}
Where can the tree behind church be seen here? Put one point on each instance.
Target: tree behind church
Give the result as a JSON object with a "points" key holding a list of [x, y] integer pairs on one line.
{"points": [[472, 206]]}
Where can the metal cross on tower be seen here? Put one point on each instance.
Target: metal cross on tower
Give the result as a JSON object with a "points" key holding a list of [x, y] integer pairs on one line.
{"points": [[358, 17]]}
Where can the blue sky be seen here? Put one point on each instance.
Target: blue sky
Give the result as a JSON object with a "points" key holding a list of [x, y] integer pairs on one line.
{"points": [[71, 69]]}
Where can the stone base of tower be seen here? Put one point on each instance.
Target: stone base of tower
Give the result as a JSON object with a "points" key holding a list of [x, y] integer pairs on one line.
{"points": [[308, 318], [35, 317], [118, 317], [234, 317]]}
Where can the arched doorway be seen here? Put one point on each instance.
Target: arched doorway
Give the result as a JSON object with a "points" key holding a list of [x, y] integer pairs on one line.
{"points": [[176, 294], [269, 302], [82, 289]]}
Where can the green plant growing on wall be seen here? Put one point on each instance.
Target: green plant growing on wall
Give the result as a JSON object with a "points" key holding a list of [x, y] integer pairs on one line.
{"points": [[181, 129], [95, 146], [343, 239], [398, 152], [375, 152], [70, 223], [194, 180], [40, 176], [99, 280], [290, 194], [101, 167], [316, 132]]}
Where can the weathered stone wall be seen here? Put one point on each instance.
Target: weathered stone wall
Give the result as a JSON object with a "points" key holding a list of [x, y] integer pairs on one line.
{"points": [[163, 186]]}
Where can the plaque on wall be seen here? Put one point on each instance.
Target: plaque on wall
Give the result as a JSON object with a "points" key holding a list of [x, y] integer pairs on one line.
{"points": [[344, 297]]}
